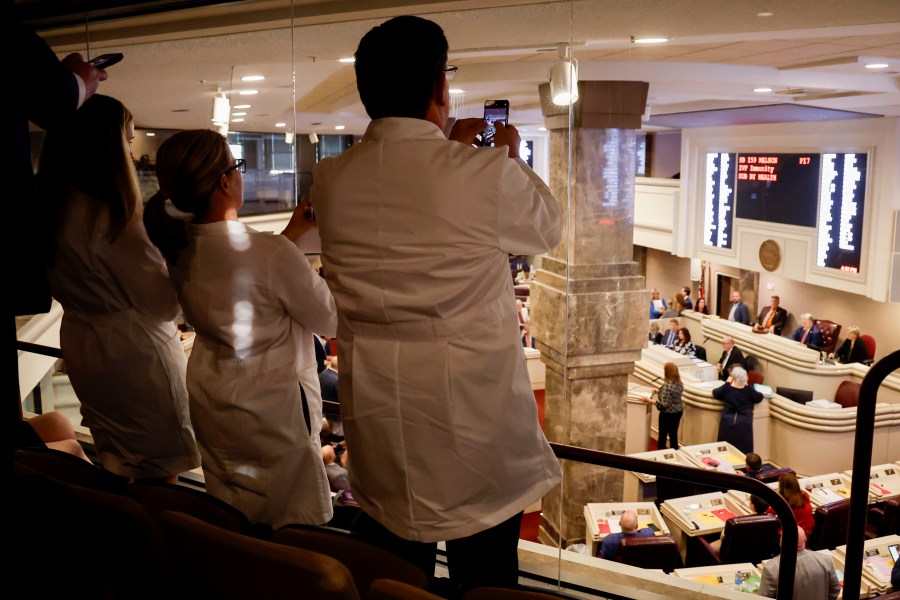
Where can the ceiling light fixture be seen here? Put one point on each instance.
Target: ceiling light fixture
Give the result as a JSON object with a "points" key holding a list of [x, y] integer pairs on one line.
{"points": [[877, 66], [762, 90], [280, 124], [239, 114], [313, 138], [238, 120], [241, 106], [248, 92], [564, 78], [150, 134], [457, 91], [347, 59], [649, 40], [288, 137], [339, 127], [253, 78], [765, 14], [221, 109]]}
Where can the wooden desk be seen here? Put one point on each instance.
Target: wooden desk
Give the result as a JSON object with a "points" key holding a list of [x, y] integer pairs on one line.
{"points": [[723, 576], [713, 454], [828, 488], [606, 515], [884, 482], [700, 515], [876, 562], [636, 484]]}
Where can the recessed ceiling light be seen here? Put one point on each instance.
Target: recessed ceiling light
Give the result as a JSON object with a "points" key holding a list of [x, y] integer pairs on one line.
{"points": [[248, 92], [280, 124], [650, 40], [347, 59], [239, 114], [238, 120], [339, 127], [457, 91], [241, 106], [762, 90], [542, 129], [150, 134], [877, 66], [253, 78], [765, 14]]}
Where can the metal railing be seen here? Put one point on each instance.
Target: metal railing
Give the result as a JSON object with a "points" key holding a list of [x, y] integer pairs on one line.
{"points": [[859, 488]]}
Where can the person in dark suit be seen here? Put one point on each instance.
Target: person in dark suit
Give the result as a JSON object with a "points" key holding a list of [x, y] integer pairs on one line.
{"points": [[771, 319], [736, 420], [731, 356], [738, 312], [853, 349], [609, 547], [688, 304], [808, 333], [670, 337]]}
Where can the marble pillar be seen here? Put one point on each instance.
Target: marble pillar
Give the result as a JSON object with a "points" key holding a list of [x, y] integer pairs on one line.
{"points": [[589, 305]]}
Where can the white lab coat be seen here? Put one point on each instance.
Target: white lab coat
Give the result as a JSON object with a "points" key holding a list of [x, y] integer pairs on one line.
{"points": [[121, 348], [255, 301], [437, 406]]}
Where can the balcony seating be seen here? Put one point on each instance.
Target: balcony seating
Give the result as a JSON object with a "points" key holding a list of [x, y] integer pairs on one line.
{"points": [[365, 561], [217, 563], [847, 394], [831, 331], [832, 525], [656, 552], [746, 538], [157, 497], [70, 469]]}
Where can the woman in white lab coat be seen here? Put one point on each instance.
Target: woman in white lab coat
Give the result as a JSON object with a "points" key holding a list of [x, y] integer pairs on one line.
{"points": [[255, 303], [121, 348]]}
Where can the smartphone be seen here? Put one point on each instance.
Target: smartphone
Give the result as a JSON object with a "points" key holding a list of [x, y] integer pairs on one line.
{"points": [[494, 110], [106, 60]]}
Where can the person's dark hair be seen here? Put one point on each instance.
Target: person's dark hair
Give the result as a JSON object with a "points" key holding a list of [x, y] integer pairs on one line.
{"points": [[759, 505], [189, 166], [754, 462], [400, 67], [705, 309], [89, 152], [687, 334]]}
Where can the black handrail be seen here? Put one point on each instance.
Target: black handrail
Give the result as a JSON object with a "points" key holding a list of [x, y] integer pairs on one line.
{"points": [[862, 467], [705, 477], [38, 349]]}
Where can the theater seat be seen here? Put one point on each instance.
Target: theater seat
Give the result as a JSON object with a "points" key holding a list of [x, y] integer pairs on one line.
{"points": [[831, 526], [656, 552], [746, 538], [772, 475], [884, 521], [847, 394], [831, 331]]}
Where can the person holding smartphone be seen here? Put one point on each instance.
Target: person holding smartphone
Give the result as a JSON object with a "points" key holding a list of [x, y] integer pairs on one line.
{"points": [[415, 324]]}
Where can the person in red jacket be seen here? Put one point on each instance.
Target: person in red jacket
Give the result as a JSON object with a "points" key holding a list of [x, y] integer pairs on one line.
{"points": [[789, 488]]}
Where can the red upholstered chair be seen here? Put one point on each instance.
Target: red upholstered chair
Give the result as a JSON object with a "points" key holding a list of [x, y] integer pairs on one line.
{"points": [[869, 341], [772, 475], [847, 394], [754, 377], [831, 331], [650, 552], [832, 521]]}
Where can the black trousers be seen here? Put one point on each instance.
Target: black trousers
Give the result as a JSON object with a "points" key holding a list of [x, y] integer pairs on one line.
{"points": [[668, 428], [488, 558]]}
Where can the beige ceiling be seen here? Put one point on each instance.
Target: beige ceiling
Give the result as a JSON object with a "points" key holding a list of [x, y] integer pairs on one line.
{"points": [[809, 52]]}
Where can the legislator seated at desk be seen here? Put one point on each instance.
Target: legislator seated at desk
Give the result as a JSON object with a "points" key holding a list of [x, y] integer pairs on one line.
{"points": [[602, 519], [808, 332], [700, 515]]}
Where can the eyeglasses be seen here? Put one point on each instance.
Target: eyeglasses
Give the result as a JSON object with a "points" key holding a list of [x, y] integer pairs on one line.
{"points": [[450, 72], [240, 164]]}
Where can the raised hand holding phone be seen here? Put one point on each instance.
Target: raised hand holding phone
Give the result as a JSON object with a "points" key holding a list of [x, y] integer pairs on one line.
{"points": [[106, 60], [495, 111]]}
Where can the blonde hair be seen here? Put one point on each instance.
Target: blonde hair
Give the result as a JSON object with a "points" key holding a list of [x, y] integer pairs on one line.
{"points": [[853, 329]]}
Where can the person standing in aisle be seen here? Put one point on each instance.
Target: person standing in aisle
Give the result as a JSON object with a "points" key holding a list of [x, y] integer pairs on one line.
{"points": [[670, 406], [423, 302]]}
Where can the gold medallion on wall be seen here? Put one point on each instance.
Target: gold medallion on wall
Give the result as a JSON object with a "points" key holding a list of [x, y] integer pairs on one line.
{"points": [[770, 255]]}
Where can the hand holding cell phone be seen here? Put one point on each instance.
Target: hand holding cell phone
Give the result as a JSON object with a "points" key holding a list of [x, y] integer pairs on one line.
{"points": [[106, 60]]}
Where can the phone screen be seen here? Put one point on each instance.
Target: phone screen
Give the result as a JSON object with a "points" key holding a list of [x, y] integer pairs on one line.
{"points": [[494, 110]]}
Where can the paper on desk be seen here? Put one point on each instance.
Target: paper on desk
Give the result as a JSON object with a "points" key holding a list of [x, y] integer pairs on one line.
{"points": [[708, 384], [708, 518], [882, 566], [826, 495], [710, 579]]}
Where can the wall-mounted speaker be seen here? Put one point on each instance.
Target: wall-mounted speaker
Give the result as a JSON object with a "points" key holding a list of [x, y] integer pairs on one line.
{"points": [[313, 138]]}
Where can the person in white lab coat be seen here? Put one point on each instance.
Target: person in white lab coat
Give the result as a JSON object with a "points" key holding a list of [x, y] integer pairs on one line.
{"points": [[121, 348], [416, 234], [254, 302]]}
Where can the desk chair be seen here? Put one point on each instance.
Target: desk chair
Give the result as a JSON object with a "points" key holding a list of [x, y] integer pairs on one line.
{"points": [[847, 394], [366, 562], [772, 475], [831, 331], [651, 552], [700, 352], [746, 538], [832, 521], [217, 563], [869, 341], [884, 521]]}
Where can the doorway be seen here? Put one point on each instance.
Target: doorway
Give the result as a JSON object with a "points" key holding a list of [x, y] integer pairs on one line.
{"points": [[724, 286]]}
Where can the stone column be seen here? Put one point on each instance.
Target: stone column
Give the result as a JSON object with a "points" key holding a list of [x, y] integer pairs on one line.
{"points": [[589, 305]]}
